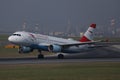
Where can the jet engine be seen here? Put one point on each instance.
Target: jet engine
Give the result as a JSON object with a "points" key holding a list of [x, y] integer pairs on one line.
{"points": [[24, 49], [55, 48]]}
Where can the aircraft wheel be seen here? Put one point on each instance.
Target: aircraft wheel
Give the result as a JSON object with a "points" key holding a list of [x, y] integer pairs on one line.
{"points": [[40, 56], [60, 56]]}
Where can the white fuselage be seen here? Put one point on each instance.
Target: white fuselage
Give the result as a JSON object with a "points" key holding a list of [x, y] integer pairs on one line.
{"points": [[28, 39]]}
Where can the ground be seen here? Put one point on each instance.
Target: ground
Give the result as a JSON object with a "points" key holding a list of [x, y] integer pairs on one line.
{"points": [[63, 71]]}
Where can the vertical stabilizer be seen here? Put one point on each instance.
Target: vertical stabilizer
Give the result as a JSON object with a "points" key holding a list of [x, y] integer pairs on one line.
{"points": [[88, 36]]}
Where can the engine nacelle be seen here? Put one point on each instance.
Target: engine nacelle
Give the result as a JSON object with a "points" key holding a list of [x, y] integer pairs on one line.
{"points": [[54, 48], [24, 49]]}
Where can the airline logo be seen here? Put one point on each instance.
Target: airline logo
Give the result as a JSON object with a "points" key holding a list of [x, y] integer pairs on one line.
{"points": [[88, 36]]}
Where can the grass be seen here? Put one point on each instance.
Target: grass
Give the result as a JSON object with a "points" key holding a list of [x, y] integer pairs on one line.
{"points": [[69, 71], [3, 37], [13, 52]]}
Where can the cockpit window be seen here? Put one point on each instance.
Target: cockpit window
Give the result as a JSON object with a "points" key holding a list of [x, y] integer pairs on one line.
{"points": [[16, 34]]}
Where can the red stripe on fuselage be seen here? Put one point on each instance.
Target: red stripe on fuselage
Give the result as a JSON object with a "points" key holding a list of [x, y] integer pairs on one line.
{"points": [[32, 35], [84, 39]]}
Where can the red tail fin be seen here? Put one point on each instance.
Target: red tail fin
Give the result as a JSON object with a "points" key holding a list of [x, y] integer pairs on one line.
{"points": [[88, 36]]}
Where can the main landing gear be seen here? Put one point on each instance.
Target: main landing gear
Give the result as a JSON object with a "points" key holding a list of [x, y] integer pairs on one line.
{"points": [[60, 56], [40, 56]]}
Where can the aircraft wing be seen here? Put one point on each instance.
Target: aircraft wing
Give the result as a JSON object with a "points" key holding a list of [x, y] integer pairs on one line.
{"points": [[97, 43], [107, 43], [80, 43]]}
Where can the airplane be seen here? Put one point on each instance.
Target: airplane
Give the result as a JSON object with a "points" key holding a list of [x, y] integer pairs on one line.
{"points": [[28, 42]]}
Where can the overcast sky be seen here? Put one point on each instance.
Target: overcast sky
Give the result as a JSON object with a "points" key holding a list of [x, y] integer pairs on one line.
{"points": [[53, 14]]}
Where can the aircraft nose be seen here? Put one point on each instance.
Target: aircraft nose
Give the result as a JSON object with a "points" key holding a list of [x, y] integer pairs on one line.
{"points": [[10, 39], [15, 40]]}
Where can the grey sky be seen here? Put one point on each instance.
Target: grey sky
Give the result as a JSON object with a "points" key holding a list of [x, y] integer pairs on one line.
{"points": [[53, 14]]}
